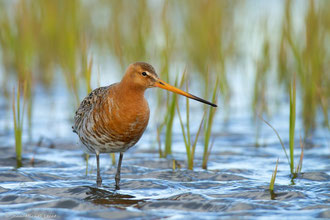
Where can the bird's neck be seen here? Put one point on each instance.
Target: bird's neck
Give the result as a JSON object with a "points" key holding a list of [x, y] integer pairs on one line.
{"points": [[129, 92], [132, 104]]}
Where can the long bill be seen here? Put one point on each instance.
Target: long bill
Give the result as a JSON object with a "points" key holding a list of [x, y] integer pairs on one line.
{"points": [[161, 84]]}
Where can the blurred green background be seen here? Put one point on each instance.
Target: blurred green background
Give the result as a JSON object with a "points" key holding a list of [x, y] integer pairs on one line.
{"points": [[254, 46]]}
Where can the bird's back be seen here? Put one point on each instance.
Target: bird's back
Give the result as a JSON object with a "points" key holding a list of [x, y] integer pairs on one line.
{"points": [[87, 105]]}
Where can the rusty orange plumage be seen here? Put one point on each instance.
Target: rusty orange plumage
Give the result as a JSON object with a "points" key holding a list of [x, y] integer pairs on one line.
{"points": [[113, 118]]}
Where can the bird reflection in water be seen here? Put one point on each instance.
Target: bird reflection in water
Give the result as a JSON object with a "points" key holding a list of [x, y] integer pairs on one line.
{"points": [[112, 198]]}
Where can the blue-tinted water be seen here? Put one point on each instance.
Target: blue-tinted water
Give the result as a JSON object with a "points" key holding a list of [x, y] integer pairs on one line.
{"points": [[236, 183]]}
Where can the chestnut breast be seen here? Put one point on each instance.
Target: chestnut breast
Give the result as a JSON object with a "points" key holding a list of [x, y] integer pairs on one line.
{"points": [[123, 117]]}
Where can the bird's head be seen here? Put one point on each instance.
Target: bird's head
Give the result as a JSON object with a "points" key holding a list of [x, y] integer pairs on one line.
{"points": [[141, 75]]}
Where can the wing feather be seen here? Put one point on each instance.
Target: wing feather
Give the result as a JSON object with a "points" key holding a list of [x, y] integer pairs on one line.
{"points": [[87, 104]]}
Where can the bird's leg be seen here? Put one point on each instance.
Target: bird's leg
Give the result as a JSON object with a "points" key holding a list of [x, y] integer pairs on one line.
{"points": [[117, 177], [98, 178]]}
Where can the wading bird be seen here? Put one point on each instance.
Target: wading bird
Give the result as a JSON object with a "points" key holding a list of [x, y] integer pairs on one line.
{"points": [[113, 118]]}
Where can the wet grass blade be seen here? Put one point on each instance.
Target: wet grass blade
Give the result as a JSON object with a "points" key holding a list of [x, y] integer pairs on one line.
{"points": [[87, 69], [159, 131], [170, 119], [291, 131], [209, 125], [18, 116], [278, 136], [86, 160], [160, 151], [272, 180], [209, 152], [187, 111], [169, 126], [292, 121], [196, 139], [185, 138], [113, 158], [299, 167], [190, 149], [17, 128], [88, 76]]}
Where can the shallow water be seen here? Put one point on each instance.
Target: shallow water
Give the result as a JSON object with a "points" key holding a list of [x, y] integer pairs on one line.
{"points": [[55, 184]]}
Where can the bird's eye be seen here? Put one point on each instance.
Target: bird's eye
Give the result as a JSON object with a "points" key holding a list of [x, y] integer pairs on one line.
{"points": [[144, 73]]}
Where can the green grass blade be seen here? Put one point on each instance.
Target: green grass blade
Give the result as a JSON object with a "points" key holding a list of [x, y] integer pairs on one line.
{"points": [[18, 110], [25, 88], [86, 160], [197, 135], [18, 115], [292, 122], [209, 151], [278, 136], [113, 157], [184, 137], [272, 180], [159, 131], [187, 116], [88, 75], [209, 124], [299, 167], [14, 110], [160, 151], [169, 124]]}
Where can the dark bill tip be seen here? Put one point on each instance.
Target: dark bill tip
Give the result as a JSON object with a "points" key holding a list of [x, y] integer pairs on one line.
{"points": [[203, 101]]}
